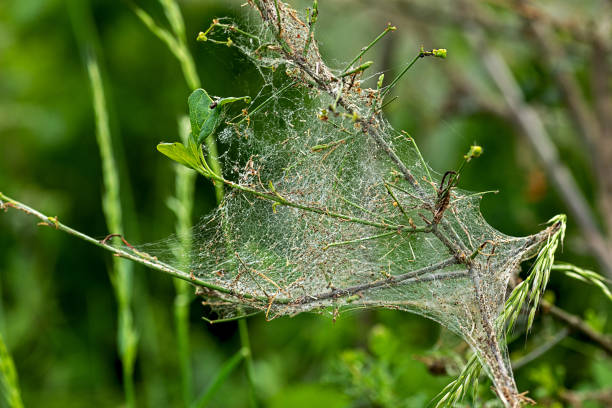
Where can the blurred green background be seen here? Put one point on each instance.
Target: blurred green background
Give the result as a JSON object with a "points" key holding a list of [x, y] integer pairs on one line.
{"points": [[57, 309]]}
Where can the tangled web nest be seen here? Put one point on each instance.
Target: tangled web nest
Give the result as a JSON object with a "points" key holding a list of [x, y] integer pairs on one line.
{"points": [[328, 208]]}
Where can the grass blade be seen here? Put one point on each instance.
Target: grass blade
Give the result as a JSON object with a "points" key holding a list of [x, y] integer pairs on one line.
{"points": [[222, 375], [121, 274], [182, 206]]}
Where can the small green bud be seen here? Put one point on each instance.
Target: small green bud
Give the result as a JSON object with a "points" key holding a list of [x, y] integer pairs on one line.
{"points": [[201, 37], [359, 69], [440, 53], [229, 42], [475, 151], [381, 78]]}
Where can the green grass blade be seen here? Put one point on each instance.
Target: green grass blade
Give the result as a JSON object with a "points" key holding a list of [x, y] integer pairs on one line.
{"points": [[246, 345], [221, 377], [121, 274], [175, 18], [182, 206]]}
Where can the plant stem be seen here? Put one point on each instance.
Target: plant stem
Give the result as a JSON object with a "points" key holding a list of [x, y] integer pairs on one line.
{"points": [[275, 197], [264, 103], [182, 206], [399, 76], [577, 324], [230, 319], [246, 345], [139, 257], [151, 262], [179, 49], [354, 241], [312, 20], [182, 203], [541, 349], [366, 48], [222, 375], [121, 275], [413, 276]]}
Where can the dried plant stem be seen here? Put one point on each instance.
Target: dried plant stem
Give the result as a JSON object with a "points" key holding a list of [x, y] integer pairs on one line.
{"points": [[593, 129], [277, 198], [505, 387], [413, 276]]}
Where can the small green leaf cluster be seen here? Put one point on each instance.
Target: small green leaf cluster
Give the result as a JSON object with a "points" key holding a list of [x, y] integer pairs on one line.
{"points": [[205, 116]]}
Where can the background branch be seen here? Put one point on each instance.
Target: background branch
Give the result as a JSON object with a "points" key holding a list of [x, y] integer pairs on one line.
{"points": [[533, 128], [575, 323]]}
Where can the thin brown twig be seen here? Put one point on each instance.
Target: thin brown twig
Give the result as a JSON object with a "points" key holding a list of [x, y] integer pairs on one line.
{"points": [[541, 349], [577, 324]]}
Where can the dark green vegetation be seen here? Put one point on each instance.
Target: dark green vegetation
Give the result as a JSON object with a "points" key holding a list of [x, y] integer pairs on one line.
{"points": [[58, 316]]}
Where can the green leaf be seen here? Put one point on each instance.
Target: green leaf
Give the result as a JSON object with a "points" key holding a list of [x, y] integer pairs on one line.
{"points": [[199, 109], [205, 114], [179, 153]]}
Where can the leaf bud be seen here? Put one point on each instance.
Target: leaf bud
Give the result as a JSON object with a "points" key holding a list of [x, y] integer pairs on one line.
{"points": [[439, 53]]}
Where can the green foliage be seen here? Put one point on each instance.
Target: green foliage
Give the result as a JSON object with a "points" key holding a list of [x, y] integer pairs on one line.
{"points": [[9, 387], [206, 115], [179, 153], [373, 375]]}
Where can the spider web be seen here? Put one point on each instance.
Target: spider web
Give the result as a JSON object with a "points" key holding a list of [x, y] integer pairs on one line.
{"points": [[359, 232]]}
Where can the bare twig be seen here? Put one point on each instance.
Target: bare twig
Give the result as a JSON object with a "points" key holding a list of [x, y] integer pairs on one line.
{"points": [[540, 350], [413, 276], [577, 324]]}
